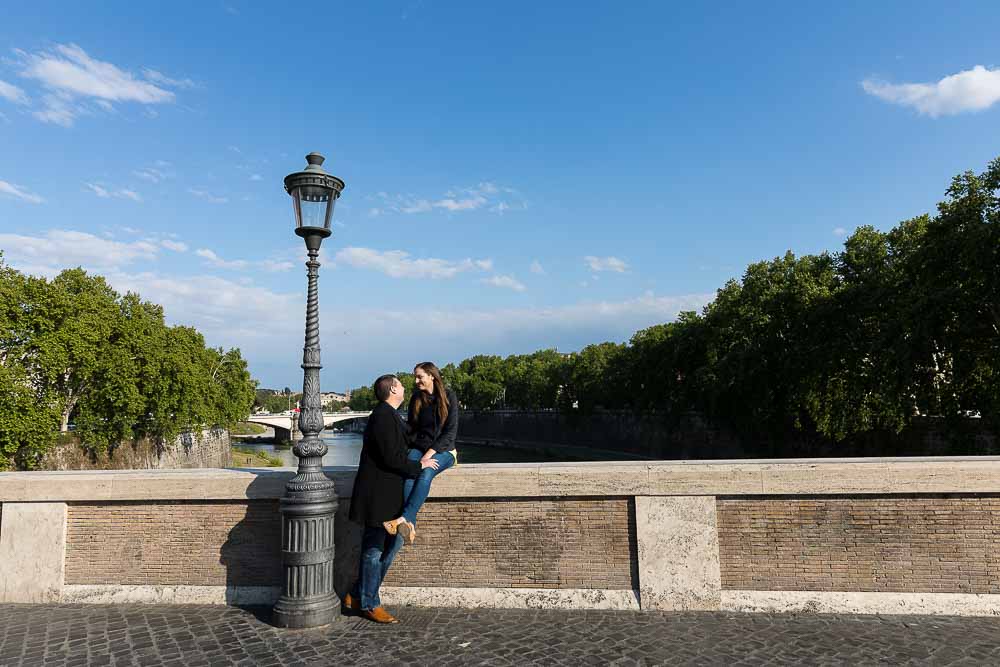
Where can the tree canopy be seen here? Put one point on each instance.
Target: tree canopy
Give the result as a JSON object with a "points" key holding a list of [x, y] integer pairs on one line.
{"points": [[72, 350]]}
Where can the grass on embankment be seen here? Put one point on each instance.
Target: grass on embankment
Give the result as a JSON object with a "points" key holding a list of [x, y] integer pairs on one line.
{"points": [[246, 428], [249, 458]]}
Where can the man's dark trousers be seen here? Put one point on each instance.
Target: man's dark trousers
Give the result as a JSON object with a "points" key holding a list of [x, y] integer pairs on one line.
{"points": [[378, 549]]}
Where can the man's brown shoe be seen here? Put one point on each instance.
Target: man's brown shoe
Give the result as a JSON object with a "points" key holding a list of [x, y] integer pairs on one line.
{"points": [[380, 615], [350, 604]]}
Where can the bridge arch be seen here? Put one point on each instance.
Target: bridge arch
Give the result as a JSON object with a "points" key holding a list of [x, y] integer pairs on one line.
{"points": [[286, 426]]}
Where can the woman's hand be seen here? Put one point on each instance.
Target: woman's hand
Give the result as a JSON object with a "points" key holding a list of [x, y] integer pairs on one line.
{"points": [[429, 463], [428, 454]]}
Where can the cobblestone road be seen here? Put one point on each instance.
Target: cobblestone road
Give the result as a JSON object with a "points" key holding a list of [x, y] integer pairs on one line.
{"points": [[196, 636]]}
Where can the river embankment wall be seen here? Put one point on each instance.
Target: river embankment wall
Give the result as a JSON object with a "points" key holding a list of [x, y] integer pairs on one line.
{"points": [[209, 448], [691, 436], [899, 535]]}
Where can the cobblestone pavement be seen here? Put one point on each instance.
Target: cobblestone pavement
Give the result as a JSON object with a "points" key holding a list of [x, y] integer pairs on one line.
{"points": [[196, 636]]}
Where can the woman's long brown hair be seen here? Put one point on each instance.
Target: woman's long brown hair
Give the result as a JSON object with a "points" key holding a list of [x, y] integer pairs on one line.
{"points": [[420, 398]]}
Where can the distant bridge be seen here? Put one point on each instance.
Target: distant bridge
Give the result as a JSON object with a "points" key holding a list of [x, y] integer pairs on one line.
{"points": [[286, 428]]}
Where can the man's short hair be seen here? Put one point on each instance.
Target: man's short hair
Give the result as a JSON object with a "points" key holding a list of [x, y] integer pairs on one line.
{"points": [[383, 386]]}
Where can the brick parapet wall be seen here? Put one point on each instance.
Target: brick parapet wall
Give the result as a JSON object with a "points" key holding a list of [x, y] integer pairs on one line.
{"points": [[539, 543], [902, 544], [493, 543], [194, 543], [855, 535]]}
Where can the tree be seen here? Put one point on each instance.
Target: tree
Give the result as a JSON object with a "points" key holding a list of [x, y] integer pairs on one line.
{"points": [[29, 420], [363, 399], [479, 381], [532, 380], [75, 348]]}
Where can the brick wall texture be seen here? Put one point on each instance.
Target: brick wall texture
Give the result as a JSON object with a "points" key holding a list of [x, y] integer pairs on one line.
{"points": [[196, 543], [933, 544], [532, 543], [537, 543]]}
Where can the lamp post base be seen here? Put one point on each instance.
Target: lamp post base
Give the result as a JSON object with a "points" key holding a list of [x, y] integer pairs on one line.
{"points": [[307, 543]]}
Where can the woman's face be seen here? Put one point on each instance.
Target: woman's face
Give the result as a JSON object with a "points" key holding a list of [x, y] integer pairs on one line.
{"points": [[424, 380]]}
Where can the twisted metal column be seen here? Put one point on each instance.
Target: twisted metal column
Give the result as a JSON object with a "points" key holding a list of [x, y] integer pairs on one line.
{"points": [[310, 501]]}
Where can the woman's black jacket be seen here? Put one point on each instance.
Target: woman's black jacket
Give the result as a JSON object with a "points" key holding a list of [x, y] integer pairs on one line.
{"points": [[441, 436]]}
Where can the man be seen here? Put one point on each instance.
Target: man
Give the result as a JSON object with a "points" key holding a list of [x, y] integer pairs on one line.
{"points": [[378, 497]]}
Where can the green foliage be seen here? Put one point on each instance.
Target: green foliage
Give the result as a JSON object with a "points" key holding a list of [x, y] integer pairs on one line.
{"points": [[246, 428], [276, 403], [363, 399], [74, 348], [257, 458]]}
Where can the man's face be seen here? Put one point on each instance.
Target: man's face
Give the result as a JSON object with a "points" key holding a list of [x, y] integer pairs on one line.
{"points": [[398, 389]]}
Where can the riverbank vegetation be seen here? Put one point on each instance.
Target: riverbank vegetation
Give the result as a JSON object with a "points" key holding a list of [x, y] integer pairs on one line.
{"points": [[244, 457], [246, 428], [897, 325], [76, 354]]}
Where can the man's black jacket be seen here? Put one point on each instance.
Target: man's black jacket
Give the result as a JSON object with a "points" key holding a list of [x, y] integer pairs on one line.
{"points": [[378, 488]]}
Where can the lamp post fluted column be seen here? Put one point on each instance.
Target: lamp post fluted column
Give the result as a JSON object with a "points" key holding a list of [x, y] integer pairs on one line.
{"points": [[309, 505]]}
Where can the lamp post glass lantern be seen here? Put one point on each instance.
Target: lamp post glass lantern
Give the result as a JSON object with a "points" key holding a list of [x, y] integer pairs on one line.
{"points": [[308, 507], [314, 196]]}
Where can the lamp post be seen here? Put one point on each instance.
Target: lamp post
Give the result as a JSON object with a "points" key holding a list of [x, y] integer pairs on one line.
{"points": [[310, 501]]}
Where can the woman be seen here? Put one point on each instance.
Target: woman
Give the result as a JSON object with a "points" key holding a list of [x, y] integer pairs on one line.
{"points": [[433, 422]]}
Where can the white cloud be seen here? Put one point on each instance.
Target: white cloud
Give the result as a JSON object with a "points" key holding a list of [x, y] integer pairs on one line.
{"points": [[98, 190], [419, 206], [970, 90], [220, 263], [57, 111], [484, 264], [19, 192], [229, 313], [275, 266], [269, 265], [105, 193], [256, 177], [208, 196], [536, 268], [150, 174], [839, 231], [507, 282], [484, 195], [12, 93], [73, 77], [60, 249], [176, 246], [606, 264], [163, 80], [467, 204], [399, 264]]}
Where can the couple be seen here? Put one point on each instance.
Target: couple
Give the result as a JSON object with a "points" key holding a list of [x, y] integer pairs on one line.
{"points": [[398, 462]]}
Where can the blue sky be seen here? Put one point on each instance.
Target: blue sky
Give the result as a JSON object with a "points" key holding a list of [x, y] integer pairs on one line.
{"points": [[519, 175]]}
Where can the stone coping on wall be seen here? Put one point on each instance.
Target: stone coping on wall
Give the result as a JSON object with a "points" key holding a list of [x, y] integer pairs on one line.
{"points": [[977, 474]]}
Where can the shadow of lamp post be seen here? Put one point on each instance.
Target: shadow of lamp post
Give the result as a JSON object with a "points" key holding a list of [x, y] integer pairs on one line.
{"points": [[310, 501]]}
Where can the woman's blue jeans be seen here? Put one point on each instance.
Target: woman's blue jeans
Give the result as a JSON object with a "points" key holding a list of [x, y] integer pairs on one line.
{"points": [[415, 490]]}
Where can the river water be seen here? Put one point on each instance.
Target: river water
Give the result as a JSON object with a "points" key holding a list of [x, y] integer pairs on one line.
{"points": [[344, 449]]}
